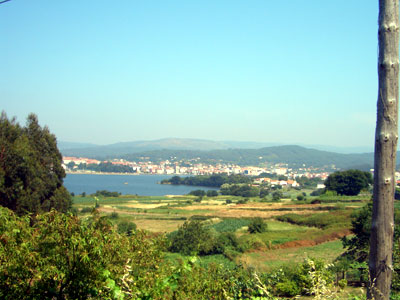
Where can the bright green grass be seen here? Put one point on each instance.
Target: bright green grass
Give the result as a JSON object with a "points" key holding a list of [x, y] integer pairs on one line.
{"points": [[271, 238], [339, 219], [275, 259], [283, 226], [230, 225], [279, 233]]}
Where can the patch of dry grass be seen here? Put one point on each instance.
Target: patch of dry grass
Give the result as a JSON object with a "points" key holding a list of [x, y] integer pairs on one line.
{"points": [[163, 226]]}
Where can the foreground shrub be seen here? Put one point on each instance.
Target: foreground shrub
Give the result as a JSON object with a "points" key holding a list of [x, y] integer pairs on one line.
{"points": [[287, 288], [85, 210], [312, 277], [58, 256], [62, 257], [357, 246], [114, 215]]}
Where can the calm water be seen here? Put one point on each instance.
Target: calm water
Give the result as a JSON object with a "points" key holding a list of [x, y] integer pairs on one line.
{"points": [[143, 185]]}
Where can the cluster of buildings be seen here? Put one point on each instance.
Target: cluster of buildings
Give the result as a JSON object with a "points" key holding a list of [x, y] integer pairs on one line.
{"points": [[193, 168], [276, 182], [71, 164]]}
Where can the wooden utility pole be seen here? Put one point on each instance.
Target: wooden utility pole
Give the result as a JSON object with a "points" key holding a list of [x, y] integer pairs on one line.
{"points": [[386, 136]]}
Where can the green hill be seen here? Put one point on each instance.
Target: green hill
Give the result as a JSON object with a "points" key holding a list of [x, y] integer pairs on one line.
{"points": [[292, 155]]}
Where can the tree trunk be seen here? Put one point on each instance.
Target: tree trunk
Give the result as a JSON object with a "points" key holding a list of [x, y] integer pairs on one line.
{"points": [[386, 136]]}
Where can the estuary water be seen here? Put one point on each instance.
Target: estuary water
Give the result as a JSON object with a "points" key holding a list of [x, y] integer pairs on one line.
{"points": [[142, 185]]}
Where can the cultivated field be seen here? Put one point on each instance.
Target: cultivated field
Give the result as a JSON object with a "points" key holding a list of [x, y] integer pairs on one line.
{"points": [[284, 242]]}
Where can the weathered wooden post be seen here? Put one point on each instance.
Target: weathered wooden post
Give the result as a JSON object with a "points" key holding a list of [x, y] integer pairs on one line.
{"points": [[386, 136]]}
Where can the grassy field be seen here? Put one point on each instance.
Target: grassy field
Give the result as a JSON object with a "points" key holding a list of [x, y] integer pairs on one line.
{"points": [[305, 230], [279, 257]]}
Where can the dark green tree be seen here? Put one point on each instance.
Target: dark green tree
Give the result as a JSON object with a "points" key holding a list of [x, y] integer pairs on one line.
{"points": [[175, 180], [192, 238], [277, 195], [31, 174], [264, 193], [349, 182]]}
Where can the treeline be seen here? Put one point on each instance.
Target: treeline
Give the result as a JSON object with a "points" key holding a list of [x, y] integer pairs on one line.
{"points": [[105, 193], [304, 181], [106, 167], [208, 180], [243, 190]]}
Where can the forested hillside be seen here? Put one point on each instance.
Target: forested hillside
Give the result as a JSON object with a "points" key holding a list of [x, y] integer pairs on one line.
{"points": [[292, 155]]}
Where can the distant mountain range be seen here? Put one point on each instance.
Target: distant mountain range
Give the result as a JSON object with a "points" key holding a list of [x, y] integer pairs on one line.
{"points": [[86, 149], [244, 153]]}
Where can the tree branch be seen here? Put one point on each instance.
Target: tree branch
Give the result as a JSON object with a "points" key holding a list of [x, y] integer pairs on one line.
{"points": [[4, 1]]}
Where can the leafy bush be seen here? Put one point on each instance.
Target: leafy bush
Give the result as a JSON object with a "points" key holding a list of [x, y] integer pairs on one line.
{"points": [[63, 257], [257, 225], [287, 288], [73, 211], [243, 201], [192, 238], [226, 241], [87, 209], [250, 241], [126, 227], [311, 277], [114, 215], [357, 247], [198, 193], [342, 283], [264, 193], [317, 192], [277, 195], [212, 193]]}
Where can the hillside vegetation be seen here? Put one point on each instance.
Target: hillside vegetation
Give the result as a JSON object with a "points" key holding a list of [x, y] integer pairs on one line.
{"points": [[292, 155]]}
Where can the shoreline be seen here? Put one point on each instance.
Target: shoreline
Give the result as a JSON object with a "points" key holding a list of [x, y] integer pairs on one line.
{"points": [[103, 173], [115, 173]]}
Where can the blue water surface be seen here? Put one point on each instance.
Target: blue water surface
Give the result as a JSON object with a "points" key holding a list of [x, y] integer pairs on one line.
{"points": [[142, 185]]}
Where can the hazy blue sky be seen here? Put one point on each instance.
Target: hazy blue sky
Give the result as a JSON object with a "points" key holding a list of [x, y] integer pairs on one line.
{"points": [[98, 71]]}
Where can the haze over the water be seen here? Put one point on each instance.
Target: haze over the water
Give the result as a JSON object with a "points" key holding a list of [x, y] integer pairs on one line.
{"points": [[265, 71]]}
